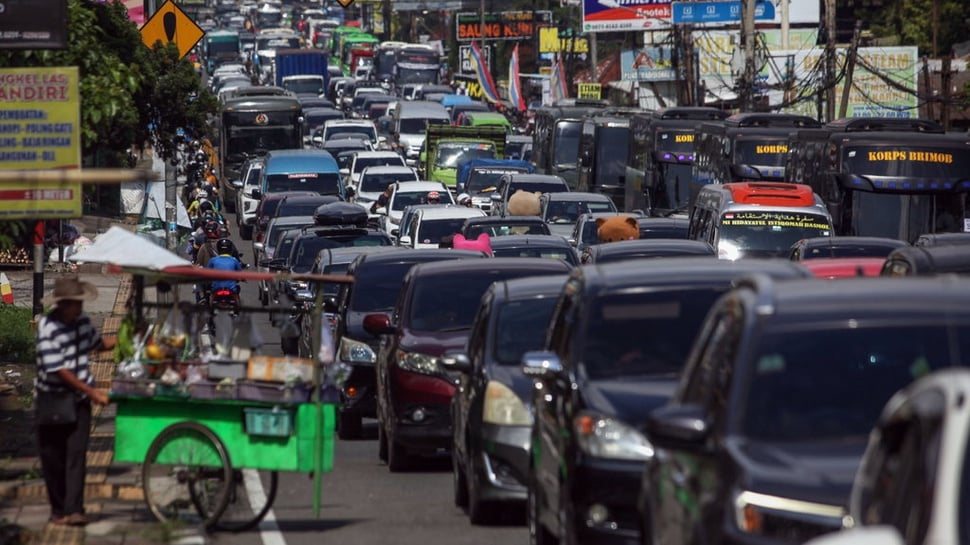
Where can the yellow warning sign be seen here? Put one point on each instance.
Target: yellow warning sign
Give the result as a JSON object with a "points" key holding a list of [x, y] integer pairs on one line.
{"points": [[589, 90], [171, 24]]}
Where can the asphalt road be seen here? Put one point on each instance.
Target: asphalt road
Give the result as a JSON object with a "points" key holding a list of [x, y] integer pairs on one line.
{"points": [[362, 502]]}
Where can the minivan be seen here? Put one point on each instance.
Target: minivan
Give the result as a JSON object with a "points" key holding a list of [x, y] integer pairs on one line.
{"points": [[300, 170], [410, 121]]}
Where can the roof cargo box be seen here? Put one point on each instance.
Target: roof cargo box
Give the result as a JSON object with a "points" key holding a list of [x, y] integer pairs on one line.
{"points": [[340, 213]]}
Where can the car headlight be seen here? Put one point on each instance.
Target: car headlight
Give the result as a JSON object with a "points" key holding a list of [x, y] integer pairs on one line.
{"points": [[766, 515], [352, 351], [503, 407], [297, 285], [417, 362], [605, 437]]}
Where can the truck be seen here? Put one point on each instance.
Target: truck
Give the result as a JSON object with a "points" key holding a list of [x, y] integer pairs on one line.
{"points": [[302, 71], [446, 147]]}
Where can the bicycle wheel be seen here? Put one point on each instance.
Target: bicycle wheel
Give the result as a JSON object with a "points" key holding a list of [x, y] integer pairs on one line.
{"points": [[248, 504], [185, 460]]}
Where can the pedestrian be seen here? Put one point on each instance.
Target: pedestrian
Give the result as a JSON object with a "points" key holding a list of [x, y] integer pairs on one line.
{"points": [[64, 391]]}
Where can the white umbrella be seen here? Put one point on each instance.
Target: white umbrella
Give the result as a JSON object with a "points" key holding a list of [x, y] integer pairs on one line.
{"points": [[127, 250]]}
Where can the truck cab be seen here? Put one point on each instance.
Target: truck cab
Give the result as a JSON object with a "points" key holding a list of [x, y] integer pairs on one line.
{"points": [[446, 147]]}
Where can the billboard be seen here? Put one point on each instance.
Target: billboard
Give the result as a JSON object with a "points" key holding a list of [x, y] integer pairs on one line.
{"points": [[40, 129], [509, 25], [33, 24], [647, 64], [550, 42], [623, 15]]}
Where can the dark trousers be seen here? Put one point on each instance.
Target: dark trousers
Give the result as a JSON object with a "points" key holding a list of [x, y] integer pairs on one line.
{"points": [[63, 451]]}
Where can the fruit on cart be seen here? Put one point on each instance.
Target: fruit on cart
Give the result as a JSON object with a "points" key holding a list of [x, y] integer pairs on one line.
{"points": [[154, 352]]}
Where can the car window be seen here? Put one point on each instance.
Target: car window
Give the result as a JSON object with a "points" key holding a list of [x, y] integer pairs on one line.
{"points": [[432, 231], [377, 287], [521, 327]]}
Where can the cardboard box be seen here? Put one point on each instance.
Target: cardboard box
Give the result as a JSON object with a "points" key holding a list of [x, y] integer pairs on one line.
{"points": [[280, 369]]}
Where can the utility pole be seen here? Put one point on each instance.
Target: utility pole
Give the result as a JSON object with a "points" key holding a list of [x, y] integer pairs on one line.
{"points": [[945, 74], [928, 85], [748, 49], [829, 60], [386, 15], [850, 69]]}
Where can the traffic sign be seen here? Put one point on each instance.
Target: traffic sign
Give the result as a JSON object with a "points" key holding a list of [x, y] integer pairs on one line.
{"points": [[725, 11], [171, 24]]}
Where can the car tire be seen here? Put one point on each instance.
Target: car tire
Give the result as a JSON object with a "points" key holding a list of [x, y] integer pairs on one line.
{"points": [[480, 512], [381, 443], [398, 459], [349, 425], [538, 535], [264, 297], [459, 484], [229, 205], [246, 232]]}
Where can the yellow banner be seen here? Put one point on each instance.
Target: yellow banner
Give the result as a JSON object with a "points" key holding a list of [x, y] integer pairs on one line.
{"points": [[40, 129], [550, 42], [589, 90]]}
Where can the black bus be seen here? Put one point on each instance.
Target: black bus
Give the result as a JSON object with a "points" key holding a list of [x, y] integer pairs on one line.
{"points": [[251, 126], [661, 156], [749, 147], [893, 178], [555, 140], [603, 153]]}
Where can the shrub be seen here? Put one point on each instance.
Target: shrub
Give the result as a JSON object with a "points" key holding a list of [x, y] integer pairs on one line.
{"points": [[17, 344]]}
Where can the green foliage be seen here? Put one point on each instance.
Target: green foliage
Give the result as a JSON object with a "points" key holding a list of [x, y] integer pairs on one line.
{"points": [[16, 339], [912, 22], [13, 234]]}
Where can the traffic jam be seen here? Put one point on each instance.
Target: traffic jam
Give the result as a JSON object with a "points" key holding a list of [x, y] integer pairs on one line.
{"points": [[617, 324]]}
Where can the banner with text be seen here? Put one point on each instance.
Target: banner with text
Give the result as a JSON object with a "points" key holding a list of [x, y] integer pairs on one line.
{"points": [[647, 64], [510, 25], [623, 15], [40, 129]]}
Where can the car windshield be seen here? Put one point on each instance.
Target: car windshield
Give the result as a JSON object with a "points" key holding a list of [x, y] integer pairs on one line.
{"points": [[332, 288], [432, 231], [800, 387], [324, 183], [540, 187], [403, 200], [369, 132], [569, 211], [376, 183], [480, 179], [767, 234], [643, 332], [551, 252], [521, 327], [363, 162], [376, 288], [414, 125], [305, 250], [504, 229], [449, 302], [450, 155]]}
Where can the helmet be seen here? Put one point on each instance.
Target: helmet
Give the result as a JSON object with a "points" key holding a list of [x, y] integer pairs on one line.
{"points": [[223, 230], [464, 198], [205, 206], [433, 195], [211, 228], [224, 246]]}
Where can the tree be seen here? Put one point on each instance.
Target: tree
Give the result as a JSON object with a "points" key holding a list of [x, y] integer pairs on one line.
{"points": [[913, 22]]}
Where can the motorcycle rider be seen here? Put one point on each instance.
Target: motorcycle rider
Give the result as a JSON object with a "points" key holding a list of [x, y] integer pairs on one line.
{"points": [[225, 261]]}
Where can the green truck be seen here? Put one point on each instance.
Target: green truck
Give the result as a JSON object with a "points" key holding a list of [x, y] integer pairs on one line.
{"points": [[446, 147]]}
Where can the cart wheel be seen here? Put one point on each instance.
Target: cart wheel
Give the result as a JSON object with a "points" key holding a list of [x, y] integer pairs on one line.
{"points": [[185, 465], [245, 509]]}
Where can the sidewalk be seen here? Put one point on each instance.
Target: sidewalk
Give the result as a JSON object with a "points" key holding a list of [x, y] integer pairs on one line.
{"points": [[113, 496]]}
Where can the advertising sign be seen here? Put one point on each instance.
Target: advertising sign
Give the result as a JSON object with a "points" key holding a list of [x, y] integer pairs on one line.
{"points": [[589, 90], [718, 12], [33, 24], [40, 129], [622, 15], [647, 64], [465, 65], [509, 25], [550, 42]]}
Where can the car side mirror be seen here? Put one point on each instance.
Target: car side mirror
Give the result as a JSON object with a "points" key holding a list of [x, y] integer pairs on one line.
{"points": [[404, 240], [378, 324], [330, 303], [258, 246], [542, 365], [678, 424], [238, 184], [257, 194], [456, 361]]}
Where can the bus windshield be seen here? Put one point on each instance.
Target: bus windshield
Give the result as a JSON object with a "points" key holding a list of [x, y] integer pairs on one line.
{"points": [[672, 186], [766, 233], [259, 140], [767, 153], [675, 141], [416, 75], [905, 216], [566, 142], [611, 154]]}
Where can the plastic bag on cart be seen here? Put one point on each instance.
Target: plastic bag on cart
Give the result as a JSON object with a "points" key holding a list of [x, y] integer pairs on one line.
{"points": [[334, 372], [246, 339], [171, 333], [225, 329]]}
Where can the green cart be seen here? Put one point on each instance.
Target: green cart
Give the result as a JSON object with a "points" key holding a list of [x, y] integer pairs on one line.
{"points": [[194, 453]]}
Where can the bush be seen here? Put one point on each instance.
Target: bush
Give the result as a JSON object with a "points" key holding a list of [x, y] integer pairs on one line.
{"points": [[17, 344]]}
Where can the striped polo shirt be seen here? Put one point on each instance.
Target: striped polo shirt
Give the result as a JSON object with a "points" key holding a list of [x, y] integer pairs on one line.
{"points": [[64, 346]]}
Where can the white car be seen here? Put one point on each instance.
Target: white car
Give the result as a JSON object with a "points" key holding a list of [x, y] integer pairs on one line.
{"points": [[912, 484], [245, 203], [364, 159], [427, 226], [363, 126], [373, 181], [406, 194]]}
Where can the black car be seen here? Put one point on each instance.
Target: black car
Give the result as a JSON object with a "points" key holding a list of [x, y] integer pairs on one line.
{"points": [[500, 226], [625, 250], [491, 413], [585, 231], [942, 239], [432, 316], [762, 439], [652, 227], [546, 246], [614, 350], [927, 260], [376, 286], [843, 246]]}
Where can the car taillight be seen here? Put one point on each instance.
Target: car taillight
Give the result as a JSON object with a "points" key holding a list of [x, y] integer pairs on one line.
{"points": [[223, 292]]}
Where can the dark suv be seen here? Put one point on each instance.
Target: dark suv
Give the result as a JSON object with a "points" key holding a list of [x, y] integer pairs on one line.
{"points": [[433, 315], [376, 286], [615, 347], [762, 439]]}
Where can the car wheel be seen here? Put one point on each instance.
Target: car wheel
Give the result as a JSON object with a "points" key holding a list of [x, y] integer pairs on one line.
{"points": [[264, 297], [229, 206], [381, 443], [459, 485], [480, 512], [398, 459], [246, 232], [538, 535], [349, 425]]}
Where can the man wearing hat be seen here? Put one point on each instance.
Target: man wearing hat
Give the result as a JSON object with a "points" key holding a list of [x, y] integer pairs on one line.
{"points": [[65, 336]]}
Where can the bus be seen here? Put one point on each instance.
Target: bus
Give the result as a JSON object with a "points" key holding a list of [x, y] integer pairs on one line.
{"points": [[351, 42], [661, 157], [555, 140], [417, 63], [895, 178], [385, 57], [603, 154], [221, 46], [748, 147], [251, 126]]}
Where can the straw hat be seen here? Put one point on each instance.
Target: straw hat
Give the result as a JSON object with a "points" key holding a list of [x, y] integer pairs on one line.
{"points": [[72, 289]]}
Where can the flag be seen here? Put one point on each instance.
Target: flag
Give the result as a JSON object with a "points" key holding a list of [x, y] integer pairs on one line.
{"points": [[557, 84], [484, 76], [515, 83]]}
